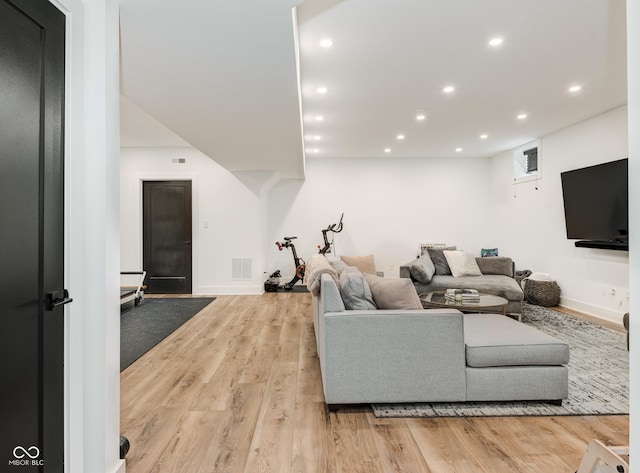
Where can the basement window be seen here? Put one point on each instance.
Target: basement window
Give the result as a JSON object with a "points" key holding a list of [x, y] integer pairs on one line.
{"points": [[526, 162]]}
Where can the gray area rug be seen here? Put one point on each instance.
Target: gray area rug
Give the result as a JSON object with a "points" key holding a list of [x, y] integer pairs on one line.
{"points": [[598, 376], [144, 326]]}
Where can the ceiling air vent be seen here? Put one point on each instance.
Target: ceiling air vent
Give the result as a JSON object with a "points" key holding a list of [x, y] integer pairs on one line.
{"points": [[179, 161], [241, 268]]}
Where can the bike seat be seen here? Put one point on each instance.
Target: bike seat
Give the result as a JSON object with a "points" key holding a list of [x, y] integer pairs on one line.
{"points": [[290, 238]]}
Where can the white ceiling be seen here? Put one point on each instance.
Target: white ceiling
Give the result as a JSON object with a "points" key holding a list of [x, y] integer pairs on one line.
{"points": [[222, 75]]}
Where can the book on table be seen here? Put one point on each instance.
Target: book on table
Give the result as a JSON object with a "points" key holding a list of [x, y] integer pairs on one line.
{"points": [[462, 295]]}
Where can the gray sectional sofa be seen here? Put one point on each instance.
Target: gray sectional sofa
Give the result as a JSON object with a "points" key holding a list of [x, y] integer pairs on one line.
{"points": [[497, 278], [431, 355]]}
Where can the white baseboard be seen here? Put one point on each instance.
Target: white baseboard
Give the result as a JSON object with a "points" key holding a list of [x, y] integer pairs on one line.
{"points": [[228, 290], [592, 310]]}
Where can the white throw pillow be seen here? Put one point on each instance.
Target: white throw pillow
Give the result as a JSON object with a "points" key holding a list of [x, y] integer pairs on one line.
{"points": [[462, 263]]}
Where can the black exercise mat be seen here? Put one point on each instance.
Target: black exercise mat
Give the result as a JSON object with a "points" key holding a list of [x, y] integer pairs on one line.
{"points": [[144, 326]]}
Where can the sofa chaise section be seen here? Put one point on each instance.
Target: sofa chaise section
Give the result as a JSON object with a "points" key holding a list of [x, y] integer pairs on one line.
{"points": [[523, 362]]}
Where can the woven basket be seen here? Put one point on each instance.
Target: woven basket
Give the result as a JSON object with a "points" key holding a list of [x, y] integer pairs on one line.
{"points": [[542, 293]]}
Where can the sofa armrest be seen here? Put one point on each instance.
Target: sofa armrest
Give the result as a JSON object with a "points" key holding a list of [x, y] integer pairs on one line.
{"points": [[405, 271], [392, 356]]}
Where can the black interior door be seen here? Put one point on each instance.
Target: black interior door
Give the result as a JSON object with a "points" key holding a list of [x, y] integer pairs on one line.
{"points": [[167, 236], [31, 236]]}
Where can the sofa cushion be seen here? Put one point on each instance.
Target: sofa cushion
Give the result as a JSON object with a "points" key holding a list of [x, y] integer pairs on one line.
{"points": [[489, 284], [496, 265], [393, 293], [422, 269], [365, 264], [355, 291], [497, 340], [439, 260], [462, 263]]}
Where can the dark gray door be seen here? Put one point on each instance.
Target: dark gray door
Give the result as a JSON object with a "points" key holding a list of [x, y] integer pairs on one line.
{"points": [[31, 237], [167, 236]]}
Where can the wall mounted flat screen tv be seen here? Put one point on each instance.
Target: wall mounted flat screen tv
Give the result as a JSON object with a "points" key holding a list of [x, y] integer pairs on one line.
{"points": [[596, 202]]}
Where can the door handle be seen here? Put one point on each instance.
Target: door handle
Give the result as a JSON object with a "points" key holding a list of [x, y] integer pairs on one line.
{"points": [[187, 242], [57, 298]]}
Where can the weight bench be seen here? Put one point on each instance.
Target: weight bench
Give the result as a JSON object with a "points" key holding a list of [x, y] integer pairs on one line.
{"points": [[132, 286]]}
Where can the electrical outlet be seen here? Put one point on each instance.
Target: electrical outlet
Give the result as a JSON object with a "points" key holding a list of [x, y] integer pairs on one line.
{"points": [[612, 291]]}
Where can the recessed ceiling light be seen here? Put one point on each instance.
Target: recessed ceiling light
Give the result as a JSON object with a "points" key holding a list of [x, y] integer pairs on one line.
{"points": [[321, 90], [522, 116], [495, 41], [387, 150], [420, 116], [317, 137], [575, 88], [326, 43], [312, 150], [448, 89], [319, 118], [484, 136], [400, 137], [458, 150]]}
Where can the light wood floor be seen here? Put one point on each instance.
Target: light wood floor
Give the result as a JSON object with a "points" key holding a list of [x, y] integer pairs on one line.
{"points": [[237, 389]]}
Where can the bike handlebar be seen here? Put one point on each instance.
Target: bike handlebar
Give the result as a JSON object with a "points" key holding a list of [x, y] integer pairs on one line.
{"points": [[335, 227], [286, 244]]}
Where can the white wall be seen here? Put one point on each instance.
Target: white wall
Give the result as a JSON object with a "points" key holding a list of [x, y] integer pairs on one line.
{"points": [[531, 226], [227, 216], [390, 206]]}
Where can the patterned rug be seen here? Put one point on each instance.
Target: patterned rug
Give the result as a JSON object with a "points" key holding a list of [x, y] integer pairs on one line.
{"points": [[598, 375]]}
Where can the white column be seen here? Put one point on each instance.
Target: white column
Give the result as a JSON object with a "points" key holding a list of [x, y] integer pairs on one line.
{"points": [[633, 85], [92, 243]]}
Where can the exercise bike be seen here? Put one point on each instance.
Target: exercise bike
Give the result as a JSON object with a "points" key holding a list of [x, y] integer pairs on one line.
{"points": [[299, 262], [335, 228]]}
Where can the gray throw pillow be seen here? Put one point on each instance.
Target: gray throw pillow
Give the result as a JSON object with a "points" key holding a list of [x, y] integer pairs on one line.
{"points": [[355, 291], [422, 269], [439, 260], [337, 264]]}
